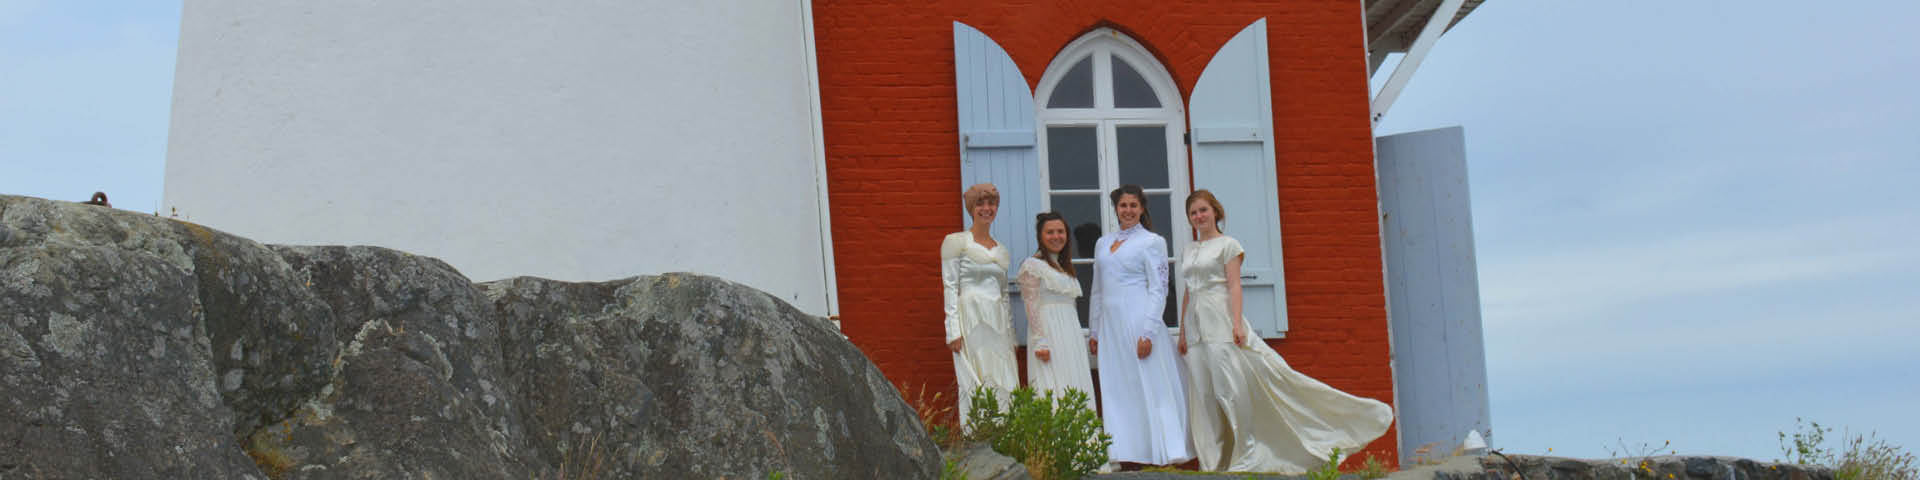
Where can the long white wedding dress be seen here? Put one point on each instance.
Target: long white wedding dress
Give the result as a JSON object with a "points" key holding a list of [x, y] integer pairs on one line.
{"points": [[1053, 324], [1141, 400], [973, 280], [1250, 412]]}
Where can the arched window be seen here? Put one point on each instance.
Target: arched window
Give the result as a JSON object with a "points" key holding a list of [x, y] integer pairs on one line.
{"points": [[1109, 115]]}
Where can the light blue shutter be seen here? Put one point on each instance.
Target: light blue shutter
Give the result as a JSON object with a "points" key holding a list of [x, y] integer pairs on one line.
{"points": [[1433, 293], [1233, 156], [997, 142]]}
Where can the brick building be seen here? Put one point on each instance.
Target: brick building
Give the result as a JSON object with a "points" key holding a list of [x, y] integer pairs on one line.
{"points": [[900, 87], [594, 141]]}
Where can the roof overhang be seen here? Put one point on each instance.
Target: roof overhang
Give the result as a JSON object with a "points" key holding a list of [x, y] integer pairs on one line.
{"points": [[1392, 25], [1410, 27]]}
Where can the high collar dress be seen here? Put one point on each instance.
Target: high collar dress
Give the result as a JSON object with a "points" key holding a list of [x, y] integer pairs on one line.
{"points": [[1142, 404], [1250, 412], [973, 282]]}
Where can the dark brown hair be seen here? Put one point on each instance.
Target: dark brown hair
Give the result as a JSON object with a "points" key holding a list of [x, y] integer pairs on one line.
{"points": [[1063, 259], [1146, 220], [1219, 212]]}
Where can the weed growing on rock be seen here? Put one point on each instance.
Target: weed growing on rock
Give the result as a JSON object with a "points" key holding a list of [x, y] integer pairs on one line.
{"points": [[950, 470], [1372, 468], [1329, 471], [1859, 457], [587, 464], [1808, 444], [1644, 453], [935, 416], [1056, 439]]}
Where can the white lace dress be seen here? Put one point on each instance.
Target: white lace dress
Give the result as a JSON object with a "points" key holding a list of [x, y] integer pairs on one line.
{"points": [[1248, 410], [973, 280], [1054, 325]]}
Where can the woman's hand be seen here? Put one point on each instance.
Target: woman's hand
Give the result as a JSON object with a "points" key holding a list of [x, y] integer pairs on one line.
{"points": [[955, 344], [1183, 343], [1144, 348], [1093, 346], [1240, 333], [1043, 354]]}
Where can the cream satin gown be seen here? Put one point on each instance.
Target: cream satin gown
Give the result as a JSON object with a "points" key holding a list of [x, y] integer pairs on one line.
{"points": [[1249, 411], [1054, 324], [973, 280]]}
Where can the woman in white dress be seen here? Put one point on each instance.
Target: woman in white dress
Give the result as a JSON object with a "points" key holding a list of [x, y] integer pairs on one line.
{"points": [[1056, 358], [973, 278], [1142, 404], [1250, 412]]}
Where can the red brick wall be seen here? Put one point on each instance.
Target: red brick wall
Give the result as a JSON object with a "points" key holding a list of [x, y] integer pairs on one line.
{"points": [[893, 168]]}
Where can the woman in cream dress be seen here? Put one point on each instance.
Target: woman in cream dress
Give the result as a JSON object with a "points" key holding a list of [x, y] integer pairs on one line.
{"points": [[1140, 394], [1248, 410], [973, 278], [1056, 354]]}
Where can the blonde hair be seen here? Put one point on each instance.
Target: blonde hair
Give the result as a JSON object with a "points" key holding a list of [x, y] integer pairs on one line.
{"points": [[980, 193]]}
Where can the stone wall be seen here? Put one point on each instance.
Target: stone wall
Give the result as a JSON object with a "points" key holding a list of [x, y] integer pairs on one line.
{"points": [[1673, 467]]}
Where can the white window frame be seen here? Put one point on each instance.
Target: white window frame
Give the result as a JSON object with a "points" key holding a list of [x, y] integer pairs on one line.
{"points": [[1103, 44]]}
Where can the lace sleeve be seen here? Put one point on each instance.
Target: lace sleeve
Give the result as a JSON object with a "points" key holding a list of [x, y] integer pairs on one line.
{"points": [[1031, 292]]}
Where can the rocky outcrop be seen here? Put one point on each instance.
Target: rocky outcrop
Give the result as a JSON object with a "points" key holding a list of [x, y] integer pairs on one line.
{"points": [[980, 462], [138, 347], [701, 377]]}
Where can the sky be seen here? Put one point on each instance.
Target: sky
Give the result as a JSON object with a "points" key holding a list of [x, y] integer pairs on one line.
{"points": [[1695, 220], [85, 88]]}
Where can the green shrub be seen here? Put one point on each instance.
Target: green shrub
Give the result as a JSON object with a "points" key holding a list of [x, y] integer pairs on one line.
{"points": [[950, 470], [1057, 439]]}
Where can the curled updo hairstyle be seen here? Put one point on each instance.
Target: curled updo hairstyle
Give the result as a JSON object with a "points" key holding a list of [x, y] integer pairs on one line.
{"points": [[1063, 259], [1219, 212], [978, 194], [1138, 194]]}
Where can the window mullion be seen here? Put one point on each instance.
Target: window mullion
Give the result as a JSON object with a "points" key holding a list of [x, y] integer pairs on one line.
{"points": [[1102, 79], [1109, 171]]}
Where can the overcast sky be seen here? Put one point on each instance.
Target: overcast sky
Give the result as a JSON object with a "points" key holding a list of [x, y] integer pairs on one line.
{"points": [[1696, 220]]}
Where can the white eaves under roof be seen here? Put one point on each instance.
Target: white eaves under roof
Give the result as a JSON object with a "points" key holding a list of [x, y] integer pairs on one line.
{"points": [[1411, 27], [1392, 25]]}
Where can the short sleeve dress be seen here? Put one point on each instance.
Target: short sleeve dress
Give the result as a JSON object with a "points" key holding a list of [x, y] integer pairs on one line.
{"points": [[1248, 411]]}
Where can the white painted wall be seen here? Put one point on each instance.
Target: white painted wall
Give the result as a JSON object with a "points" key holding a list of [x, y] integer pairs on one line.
{"points": [[584, 140]]}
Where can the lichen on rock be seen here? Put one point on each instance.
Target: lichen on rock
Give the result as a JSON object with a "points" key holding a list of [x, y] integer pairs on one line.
{"points": [[133, 346]]}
